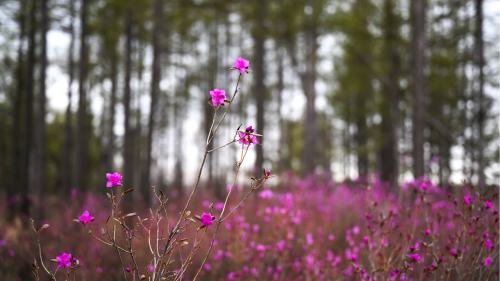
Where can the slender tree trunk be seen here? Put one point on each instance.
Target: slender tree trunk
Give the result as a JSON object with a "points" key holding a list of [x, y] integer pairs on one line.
{"points": [[361, 141], [112, 112], [280, 85], [128, 161], [481, 113], [40, 130], [213, 66], [18, 139], [29, 113], [155, 85], [308, 84], [67, 168], [259, 89], [83, 122], [418, 11], [178, 168], [390, 112]]}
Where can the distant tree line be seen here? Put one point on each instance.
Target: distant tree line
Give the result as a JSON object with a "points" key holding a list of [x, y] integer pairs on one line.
{"points": [[407, 84]]}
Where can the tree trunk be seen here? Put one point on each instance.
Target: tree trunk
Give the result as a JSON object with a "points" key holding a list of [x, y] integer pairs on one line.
{"points": [[29, 113], [391, 92], [418, 54], [128, 152], [155, 85], [258, 75], [361, 141], [213, 66], [67, 168], [481, 113], [308, 85], [17, 185], [40, 130], [280, 85], [83, 123]]}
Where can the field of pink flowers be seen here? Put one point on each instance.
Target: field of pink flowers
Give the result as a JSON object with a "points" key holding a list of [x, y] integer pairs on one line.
{"points": [[301, 229]]}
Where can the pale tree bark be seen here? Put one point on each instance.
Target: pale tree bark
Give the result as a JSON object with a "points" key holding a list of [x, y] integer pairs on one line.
{"points": [[418, 11], [259, 89], [308, 79], [213, 65]]}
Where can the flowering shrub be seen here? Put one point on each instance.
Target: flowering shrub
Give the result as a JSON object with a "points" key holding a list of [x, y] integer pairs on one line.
{"points": [[302, 229]]}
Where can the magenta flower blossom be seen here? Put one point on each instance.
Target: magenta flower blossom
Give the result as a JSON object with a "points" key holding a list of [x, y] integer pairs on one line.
{"points": [[467, 200], [150, 267], [415, 257], [85, 217], [266, 194], [354, 258], [64, 260], [247, 136], [488, 205], [207, 219], [218, 97], [488, 244], [454, 252], [487, 261], [267, 173], [242, 65], [113, 179]]}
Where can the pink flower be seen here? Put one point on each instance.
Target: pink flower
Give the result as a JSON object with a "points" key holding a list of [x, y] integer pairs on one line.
{"points": [[467, 200], [207, 219], [415, 257], [247, 136], [488, 244], [207, 267], [64, 260], [218, 97], [241, 65], [267, 174], [488, 204], [487, 261], [281, 245], [354, 258], [113, 179], [150, 267], [85, 217], [427, 232], [266, 194], [454, 252]]}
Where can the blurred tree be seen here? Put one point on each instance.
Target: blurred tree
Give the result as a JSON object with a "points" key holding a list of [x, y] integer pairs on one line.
{"points": [[156, 73], [84, 124], [481, 110], [259, 52], [355, 75], [39, 159], [390, 60], [67, 171], [419, 45]]}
